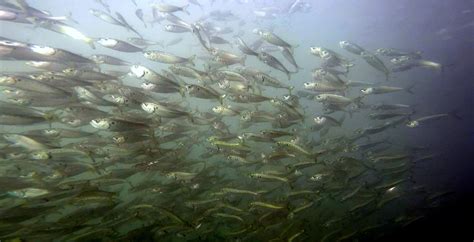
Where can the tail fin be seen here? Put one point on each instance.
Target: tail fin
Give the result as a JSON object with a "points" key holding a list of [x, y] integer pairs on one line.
{"points": [[455, 114], [242, 60], [184, 8], [69, 17], [358, 101], [290, 88], [221, 98], [191, 60], [409, 89], [90, 42]]}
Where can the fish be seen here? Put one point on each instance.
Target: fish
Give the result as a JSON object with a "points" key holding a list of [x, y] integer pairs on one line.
{"points": [[385, 89], [26, 142], [139, 14], [244, 48], [110, 143], [66, 30], [144, 42], [218, 40], [168, 8], [116, 124], [167, 58], [419, 121], [274, 63], [46, 53], [391, 52], [164, 111], [174, 28], [126, 24], [375, 62], [118, 45], [268, 80], [388, 115], [351, 47], [325, 120], [109, 60], [106, 17], [174, 41], [273, 39], [203, 92], [104, 4], [28, 84], [289, 57], [227, 110]]}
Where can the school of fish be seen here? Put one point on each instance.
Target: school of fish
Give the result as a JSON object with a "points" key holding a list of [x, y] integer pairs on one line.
{"points": [[225, 143]]}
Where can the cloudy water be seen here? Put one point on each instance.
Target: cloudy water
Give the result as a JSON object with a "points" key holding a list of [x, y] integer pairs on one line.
{"points": [[235, 120]]}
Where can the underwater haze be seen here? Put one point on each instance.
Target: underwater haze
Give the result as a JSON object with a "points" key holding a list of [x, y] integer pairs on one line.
{"points": [[236, 120]]}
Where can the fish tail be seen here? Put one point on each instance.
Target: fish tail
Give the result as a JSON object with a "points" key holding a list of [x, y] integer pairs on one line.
{"points": [[191, 118], [221, 98], [191, 60], [290, 88], [242, 60], [358, 101], [182, 90], [70, 18], [387, 76], [409, 89], [455, 114], [184, 8], [90, 42]]}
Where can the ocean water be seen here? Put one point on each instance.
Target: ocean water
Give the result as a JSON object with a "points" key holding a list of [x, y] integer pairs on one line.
{"points": [[185, 172]]}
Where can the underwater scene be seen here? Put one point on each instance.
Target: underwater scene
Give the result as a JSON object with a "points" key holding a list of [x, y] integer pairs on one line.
{"points": [[236, 120]]}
